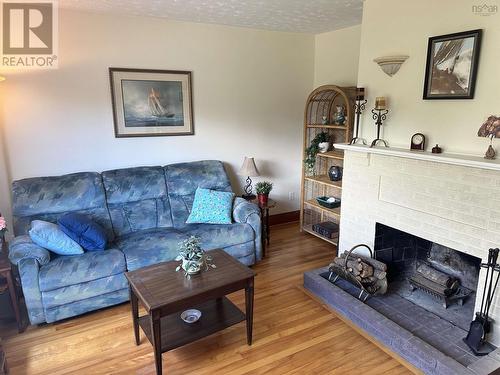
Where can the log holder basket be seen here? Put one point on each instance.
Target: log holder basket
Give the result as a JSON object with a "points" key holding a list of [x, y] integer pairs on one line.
{"points": [[349, 277]]}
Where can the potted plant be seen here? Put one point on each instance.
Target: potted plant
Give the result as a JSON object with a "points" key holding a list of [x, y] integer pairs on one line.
{"points": [[320, 143], [193, 258], [263, 189], [3, 227]]}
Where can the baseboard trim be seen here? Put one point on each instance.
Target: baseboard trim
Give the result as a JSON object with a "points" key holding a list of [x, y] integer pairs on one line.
{"points": [[285, 217]]}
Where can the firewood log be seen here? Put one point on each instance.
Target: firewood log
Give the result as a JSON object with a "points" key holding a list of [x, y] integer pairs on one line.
{"points": [[366, 271], [373, 262], [435, 275], [379, 274], [369, 280], [350, 264]]}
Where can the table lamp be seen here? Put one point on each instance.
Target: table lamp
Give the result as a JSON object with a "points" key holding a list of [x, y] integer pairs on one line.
{"points": [[490, 129], [248, 169]]}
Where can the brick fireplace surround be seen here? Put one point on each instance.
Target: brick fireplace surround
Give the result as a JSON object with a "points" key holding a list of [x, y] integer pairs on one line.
{"points": [[451, 200]]}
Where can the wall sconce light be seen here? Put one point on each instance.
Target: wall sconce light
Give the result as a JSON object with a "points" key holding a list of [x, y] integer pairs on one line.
{"points": [[390, 64]]}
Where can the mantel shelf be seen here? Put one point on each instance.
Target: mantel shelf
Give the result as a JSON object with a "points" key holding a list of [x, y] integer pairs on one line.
{"points": [[445, 158]]}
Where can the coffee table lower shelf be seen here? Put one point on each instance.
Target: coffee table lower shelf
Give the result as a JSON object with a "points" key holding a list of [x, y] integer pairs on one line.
{"points": [[216, 315]]}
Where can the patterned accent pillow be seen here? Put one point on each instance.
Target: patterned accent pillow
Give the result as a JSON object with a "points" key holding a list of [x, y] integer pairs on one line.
{"points": [[211, 207], [51, 237]]}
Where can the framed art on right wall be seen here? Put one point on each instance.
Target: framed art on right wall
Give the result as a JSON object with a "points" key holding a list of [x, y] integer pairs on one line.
{"points": [[451, 68]]}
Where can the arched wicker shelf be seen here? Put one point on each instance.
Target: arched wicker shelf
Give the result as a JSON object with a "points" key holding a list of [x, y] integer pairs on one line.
{"points": [[322, 102]]}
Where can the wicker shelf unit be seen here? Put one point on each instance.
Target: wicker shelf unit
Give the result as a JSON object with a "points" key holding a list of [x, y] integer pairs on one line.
{"points": [[322, 102]]}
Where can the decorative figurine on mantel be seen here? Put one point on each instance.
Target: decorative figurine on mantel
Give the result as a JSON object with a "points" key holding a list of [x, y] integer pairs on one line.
{"points": [[490, 129], [379, 115], [436, 149]]}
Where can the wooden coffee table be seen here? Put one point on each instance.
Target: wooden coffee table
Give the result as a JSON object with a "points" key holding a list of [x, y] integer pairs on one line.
{"points": [[165, 293]]}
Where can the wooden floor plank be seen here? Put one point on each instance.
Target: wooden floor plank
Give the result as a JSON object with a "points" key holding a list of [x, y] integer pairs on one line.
{"points": [[293, 333]]}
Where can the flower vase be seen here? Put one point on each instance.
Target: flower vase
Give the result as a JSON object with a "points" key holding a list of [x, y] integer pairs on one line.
{"points": [[263, 199], [192, 266]]}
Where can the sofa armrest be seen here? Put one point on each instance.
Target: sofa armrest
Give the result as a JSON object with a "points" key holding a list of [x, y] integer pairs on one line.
{"points": [[29, 257], [243, 209], [249, 213], [29, 269], [23, 248]]}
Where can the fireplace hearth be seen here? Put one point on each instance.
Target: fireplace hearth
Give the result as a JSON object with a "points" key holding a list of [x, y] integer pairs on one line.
{"points": [[415, 323], [421, 337]]}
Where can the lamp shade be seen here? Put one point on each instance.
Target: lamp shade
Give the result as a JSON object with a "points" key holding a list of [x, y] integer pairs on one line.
{"points": [[248, 168], [490, 128]]}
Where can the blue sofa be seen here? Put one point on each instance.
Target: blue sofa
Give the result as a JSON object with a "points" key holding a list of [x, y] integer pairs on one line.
{"points": [[143, 210]]}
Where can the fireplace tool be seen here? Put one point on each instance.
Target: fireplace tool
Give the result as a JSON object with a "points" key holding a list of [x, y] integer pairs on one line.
{"points": [[481, 326]]}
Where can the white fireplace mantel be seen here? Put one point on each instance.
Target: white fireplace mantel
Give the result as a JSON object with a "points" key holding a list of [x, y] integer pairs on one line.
{"points": [[446, 158]]}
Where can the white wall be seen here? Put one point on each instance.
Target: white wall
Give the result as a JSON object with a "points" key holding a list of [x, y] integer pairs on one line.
{"points": [[403, 27], [336, 56], [249, 89]]}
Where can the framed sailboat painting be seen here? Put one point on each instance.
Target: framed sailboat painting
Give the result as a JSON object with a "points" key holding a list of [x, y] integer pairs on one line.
{"points": [[148, 103], [452, 62]]}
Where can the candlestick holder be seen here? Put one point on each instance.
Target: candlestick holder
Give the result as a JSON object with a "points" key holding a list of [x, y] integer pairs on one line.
{"points": [[359, 106], [379, 115]]}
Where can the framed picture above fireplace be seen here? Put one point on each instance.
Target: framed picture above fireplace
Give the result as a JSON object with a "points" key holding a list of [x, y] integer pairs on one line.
{"points": [[451, 68], [151, 102]]}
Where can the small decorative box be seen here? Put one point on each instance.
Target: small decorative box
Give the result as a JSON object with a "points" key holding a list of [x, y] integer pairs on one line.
{"points": [[328, 202]]}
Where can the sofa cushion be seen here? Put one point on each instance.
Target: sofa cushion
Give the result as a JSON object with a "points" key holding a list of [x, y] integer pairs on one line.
{"points": [[137, 199], [211, 207], [82, 229], [51, 237], [70, 270], [82, 291], [184, 178], [150, 247], [48, 198], [217, 236]]}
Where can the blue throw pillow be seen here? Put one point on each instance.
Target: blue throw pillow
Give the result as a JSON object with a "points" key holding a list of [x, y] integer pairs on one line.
{"points": [[82, 229], [49, 236], [211, 207]]}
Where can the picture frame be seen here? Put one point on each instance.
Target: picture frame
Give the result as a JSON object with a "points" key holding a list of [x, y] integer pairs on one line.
{"points": [[451, 67], [151, 102]]}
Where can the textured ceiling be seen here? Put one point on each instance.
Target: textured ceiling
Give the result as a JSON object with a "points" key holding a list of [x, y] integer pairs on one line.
{"points": [[305, 16]]}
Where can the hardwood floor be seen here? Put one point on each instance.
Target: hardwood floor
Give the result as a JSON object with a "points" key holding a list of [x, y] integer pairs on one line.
{"points": [[293, 334]]}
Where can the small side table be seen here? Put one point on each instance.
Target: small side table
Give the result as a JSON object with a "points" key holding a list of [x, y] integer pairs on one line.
{"points": [[7, 283], [266, 231]]}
